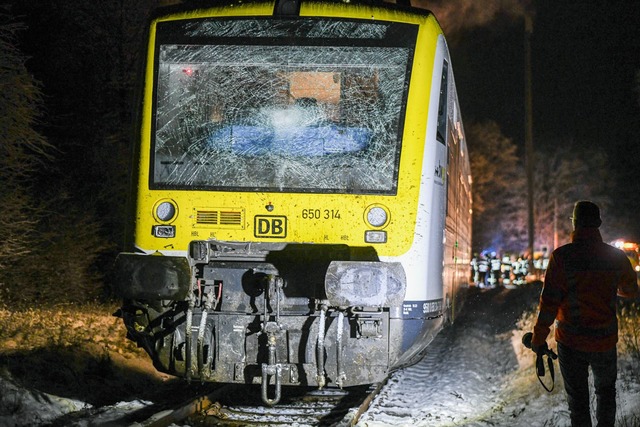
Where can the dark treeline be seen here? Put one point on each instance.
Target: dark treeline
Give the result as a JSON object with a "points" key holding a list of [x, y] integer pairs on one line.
{"points": [[69, 73], [564, 173]]}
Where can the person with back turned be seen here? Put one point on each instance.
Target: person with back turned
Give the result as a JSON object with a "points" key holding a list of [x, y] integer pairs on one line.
{"points": [[580, 289]]}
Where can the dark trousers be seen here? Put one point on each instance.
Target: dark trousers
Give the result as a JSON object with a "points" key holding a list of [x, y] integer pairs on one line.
{"points": [[574, 367]]}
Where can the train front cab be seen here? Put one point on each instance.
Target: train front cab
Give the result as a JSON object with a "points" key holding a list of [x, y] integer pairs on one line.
{"points": [[290, 211]]}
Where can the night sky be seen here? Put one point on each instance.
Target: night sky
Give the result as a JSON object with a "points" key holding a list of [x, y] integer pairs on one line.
{"points": [[585, 58]]}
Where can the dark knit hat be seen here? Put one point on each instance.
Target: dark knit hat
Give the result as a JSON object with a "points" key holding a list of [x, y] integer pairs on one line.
{"points": [[586, 214]]}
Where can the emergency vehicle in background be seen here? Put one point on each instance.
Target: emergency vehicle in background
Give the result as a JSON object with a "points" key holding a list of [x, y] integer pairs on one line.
{"points": [[632, 250]]}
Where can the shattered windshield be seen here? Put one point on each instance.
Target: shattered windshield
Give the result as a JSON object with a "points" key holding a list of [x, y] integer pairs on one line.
{"points": [[262, 105]]}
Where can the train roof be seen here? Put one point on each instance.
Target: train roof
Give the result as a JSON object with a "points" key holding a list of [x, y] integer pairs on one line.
{"points": [[287, 8]]}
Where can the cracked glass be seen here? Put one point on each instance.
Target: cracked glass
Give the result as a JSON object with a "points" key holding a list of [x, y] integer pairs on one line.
{"points": [[270, 105]]}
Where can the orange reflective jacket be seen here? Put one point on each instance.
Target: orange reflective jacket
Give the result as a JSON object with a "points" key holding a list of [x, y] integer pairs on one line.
{"points": [[579, 293]]}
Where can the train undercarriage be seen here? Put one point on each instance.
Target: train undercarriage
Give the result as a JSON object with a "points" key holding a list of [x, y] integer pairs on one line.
{"points": [[310, 315]]}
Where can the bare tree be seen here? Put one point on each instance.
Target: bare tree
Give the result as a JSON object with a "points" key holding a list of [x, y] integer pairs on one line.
{"points": [[498, 190], [566, 173], [22, 148], [86, 56]]}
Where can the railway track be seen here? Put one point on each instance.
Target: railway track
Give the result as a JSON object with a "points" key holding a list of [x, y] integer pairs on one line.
{"points": [[240, 405]]}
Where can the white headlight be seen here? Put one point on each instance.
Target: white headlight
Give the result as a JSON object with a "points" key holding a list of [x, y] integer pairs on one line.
{"points": [[377, 216], [165, 211]]}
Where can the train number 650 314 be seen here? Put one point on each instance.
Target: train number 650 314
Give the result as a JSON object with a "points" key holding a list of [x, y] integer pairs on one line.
{"points": [[320, 214]]}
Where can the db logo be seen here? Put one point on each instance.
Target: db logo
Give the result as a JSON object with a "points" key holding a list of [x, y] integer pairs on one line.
{"points": [[270, 226]]}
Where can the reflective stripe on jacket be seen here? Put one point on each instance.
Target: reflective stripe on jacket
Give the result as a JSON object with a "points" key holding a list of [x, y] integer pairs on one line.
{"points": [[580, 287]]}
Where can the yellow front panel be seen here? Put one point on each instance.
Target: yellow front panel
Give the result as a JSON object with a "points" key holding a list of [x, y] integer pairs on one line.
{"points": [[297, 217]]}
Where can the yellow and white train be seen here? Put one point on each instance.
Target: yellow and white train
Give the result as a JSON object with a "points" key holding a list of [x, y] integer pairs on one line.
{"points": [[303, 193]]}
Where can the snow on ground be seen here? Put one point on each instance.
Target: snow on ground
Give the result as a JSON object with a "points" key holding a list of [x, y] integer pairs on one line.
{"points": [[22, 406], [475, 374]]}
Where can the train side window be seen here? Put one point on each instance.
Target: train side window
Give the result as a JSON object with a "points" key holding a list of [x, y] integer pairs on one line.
{"points": [[442, 103]]}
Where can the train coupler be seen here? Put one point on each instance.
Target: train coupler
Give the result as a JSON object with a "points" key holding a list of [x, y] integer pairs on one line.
{"points": [[268, 371], [272, 328]]}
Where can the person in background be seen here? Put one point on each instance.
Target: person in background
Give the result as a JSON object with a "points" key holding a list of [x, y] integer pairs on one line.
{"points": [[475, 276], [494, 273], [483, 269], [520, 271], [505, 267], [581, 285]]}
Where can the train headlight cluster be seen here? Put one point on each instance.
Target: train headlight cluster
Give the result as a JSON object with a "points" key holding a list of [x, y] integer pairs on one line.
{"points": [[165, 211], [376, 216]]}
